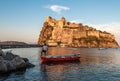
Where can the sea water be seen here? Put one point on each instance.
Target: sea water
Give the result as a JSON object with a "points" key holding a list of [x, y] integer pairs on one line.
{"points": [[93, 65]]}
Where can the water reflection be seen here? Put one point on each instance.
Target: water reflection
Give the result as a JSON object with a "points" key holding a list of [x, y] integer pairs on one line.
{"points": [[93, 65], [43, 72], [56, 71]]}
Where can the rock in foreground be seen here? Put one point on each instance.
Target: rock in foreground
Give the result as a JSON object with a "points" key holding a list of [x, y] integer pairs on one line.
{"points": [[10, 62]]}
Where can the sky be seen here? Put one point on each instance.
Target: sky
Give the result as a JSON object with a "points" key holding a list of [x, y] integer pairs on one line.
{"points": [[22, 20]]}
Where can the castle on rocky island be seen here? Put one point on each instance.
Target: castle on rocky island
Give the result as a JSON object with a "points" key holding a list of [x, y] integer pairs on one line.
{"points": [[74, 35]]}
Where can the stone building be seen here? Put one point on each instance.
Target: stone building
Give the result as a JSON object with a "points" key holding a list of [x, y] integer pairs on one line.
{"points": [[75, 35]]}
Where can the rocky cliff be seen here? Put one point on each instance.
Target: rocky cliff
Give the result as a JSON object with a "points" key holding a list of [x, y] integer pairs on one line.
{"points": [[74, 35]]}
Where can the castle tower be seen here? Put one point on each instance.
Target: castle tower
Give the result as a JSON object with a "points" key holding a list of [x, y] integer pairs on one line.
{"points": [[61, 22], [63, 19], [48, 18]]}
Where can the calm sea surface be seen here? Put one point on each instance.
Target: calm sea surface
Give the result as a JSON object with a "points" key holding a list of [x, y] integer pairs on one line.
{"points": [[94, 65]]}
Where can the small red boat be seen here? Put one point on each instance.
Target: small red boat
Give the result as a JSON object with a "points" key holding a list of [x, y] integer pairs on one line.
{"points": [[70, 57]]}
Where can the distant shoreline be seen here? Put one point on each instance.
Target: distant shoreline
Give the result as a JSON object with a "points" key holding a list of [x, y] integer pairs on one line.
{"points": [[36, 45], [19, 46]]}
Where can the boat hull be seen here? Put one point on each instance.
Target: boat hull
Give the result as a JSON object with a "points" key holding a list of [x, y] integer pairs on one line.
{"points": [[59, 59]]}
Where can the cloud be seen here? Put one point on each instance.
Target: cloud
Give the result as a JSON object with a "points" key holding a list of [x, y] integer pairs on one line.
{"points": [[57, 8]]}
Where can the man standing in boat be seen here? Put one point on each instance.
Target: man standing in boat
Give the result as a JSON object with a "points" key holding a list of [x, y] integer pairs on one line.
{"points": [[44, 49]]}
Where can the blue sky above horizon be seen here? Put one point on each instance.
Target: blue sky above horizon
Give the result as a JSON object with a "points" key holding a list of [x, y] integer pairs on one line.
{"points": [[22, 20]]}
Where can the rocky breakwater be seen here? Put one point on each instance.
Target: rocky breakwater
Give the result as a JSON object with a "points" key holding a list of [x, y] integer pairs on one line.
{"points": [[10, 62], [74, 35]]}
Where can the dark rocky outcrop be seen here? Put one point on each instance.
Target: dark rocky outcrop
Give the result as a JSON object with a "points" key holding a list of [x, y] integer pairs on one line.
{"points": [[10, 62], [74, 35]]}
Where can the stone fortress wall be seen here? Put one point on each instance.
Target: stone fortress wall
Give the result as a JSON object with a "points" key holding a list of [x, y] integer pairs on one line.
{"points": [[76, 33]]}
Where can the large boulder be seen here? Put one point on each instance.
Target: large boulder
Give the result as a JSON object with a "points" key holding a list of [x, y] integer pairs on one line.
{"points": [[18, 62], [1, 52], [9, 56], [10, 66], [28, 64], [1, 58], [25, 59], [3, 66]]}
